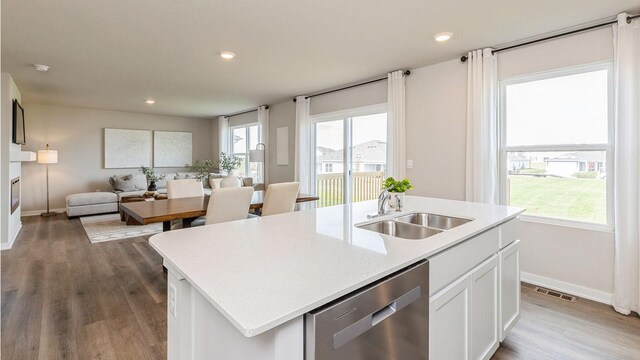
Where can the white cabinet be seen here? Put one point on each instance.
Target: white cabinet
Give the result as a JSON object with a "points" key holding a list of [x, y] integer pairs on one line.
{"points": [[463, 317], [475, 295], [449, 319], [484, 309], [509, 287]]}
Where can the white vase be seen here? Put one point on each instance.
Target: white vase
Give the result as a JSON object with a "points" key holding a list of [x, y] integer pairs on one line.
{"points": [[231, 180], [396, 201]]}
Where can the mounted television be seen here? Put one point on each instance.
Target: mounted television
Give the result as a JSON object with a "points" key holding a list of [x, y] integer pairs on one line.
{"points": [[18, 124]]}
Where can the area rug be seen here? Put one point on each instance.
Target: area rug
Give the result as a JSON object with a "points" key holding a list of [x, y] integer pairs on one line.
{"points": [[108, 227]]}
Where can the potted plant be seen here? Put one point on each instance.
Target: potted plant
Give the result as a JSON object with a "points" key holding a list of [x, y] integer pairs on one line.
{"points": [[152, 177], [203, 168], [397, 188], [230, 163]]}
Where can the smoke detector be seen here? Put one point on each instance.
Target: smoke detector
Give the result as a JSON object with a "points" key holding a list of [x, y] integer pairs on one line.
{"points": [[41, 67]]}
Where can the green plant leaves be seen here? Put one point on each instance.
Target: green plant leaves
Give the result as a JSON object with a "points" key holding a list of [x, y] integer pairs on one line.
{"points": [[397, 186]]}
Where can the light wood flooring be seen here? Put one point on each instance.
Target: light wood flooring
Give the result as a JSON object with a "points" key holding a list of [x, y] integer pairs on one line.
{"points": [[65, 298]]}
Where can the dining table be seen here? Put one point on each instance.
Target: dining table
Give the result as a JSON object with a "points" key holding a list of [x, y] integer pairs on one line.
{"points": [[184, 209]]}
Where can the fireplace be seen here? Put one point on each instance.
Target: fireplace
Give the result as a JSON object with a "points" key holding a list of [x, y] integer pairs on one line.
{"points": [[15, 194]]}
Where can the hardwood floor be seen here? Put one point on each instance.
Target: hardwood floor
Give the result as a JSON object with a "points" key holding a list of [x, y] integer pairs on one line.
{"points": [[550, 328], [65, 298]]}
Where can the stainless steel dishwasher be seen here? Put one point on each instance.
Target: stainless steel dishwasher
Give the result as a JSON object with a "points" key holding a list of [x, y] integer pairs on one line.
{"points": [[388, 319]]}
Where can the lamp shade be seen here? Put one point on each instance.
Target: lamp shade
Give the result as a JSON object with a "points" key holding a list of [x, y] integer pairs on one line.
{"points": [[256, 156], [47, 156]]}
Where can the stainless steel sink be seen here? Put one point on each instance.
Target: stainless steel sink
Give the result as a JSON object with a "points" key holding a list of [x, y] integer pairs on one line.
{"points": [[441, 222], [400, 229]]}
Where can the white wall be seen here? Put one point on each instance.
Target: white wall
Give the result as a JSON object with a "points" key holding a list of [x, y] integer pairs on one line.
{"points": [[78, 135], [10, 222], [436, 101], [281, 114], [370, 94], [589, 47]]}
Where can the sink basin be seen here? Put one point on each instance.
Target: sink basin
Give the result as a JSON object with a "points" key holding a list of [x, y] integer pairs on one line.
{"points": [[400, 229], [441, 222]]}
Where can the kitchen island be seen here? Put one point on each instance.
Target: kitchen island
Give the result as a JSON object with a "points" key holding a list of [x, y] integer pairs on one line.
{"points": [[241, 289]]}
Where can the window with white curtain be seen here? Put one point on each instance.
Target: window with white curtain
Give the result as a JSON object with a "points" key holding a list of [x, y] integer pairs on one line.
{"points": [[243, 138], [556, 141]]}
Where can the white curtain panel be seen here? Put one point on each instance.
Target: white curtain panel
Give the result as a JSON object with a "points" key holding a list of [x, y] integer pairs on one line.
{"points": [[396, 125], [482, 127], [302, 169], [223, 134], [626, 286], [263, 124]]}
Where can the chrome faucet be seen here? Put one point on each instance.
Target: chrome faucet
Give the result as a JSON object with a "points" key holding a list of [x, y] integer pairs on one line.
{"points": [[383, 199]]}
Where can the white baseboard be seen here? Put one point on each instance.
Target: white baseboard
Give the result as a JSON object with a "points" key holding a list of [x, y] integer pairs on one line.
{"points": [[38, 212], [573, 289], [7, 246]]}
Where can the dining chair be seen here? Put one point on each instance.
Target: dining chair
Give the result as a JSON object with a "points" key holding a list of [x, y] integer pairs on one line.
{"points": [[280, 198], [226, 204], [184, 188]]}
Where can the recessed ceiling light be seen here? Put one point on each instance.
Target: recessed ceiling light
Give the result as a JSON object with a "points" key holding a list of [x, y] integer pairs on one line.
{"points": [[41, 67], [443, 36], [227, 55], [150, 101]]}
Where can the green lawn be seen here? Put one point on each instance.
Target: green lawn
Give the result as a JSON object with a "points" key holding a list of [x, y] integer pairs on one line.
{"points": [[565, 198]]}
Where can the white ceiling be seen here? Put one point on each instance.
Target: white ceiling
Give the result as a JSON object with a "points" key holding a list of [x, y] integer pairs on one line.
{"points": [[114, 54]]}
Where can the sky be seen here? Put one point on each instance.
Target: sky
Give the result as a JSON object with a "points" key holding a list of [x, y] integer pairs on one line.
{"points": [[570, 109], [365, 128]]}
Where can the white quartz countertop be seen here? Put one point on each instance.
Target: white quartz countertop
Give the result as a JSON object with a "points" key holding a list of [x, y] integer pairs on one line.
{"points": [[260, 273]]}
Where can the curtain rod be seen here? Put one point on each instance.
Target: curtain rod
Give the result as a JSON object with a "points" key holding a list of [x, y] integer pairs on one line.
{"points": [[592, 27], [406, 73], [245, 112]]}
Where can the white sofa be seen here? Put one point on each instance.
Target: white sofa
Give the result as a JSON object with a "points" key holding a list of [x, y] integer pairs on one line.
{"points": [[98, 202], [101, 202], [140, 183]]}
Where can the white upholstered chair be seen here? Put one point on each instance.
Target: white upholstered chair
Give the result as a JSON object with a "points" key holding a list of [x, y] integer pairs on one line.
{"points": [[184, 188], [280, 198], [227, 204]]}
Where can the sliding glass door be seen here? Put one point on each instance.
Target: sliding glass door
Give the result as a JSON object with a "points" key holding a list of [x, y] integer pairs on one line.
{"points": [[350, 155], [368, 155]]}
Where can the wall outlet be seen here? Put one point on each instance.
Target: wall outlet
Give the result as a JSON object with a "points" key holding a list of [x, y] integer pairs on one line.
{"points": [[409, 164], [173, 301]]}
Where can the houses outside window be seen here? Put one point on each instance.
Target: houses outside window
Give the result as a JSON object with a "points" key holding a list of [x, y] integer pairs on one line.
{"points": [[556, 141]]}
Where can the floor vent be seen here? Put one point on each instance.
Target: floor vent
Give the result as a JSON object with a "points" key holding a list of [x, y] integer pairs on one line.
{"points": [[555, 294]]}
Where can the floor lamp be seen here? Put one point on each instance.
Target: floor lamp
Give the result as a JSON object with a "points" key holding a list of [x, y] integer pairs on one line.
{"points": [[47, 157], [257, 155]]}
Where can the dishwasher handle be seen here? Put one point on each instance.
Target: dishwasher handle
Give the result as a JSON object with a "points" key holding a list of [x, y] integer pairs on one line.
{"points": [[384, 313], [361, 326]]}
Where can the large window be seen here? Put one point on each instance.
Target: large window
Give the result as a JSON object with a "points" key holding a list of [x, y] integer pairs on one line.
{"points": [[243, 139], [556, 142], [350, 154]]}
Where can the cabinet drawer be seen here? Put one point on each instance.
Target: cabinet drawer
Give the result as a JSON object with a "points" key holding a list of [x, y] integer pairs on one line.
{"points": [[457, 261], [509, 232]]}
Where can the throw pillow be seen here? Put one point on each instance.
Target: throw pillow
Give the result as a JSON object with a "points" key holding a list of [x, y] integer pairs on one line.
{"points": [[214, 183], [122, 183], [140, 182], [181, 176]]}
